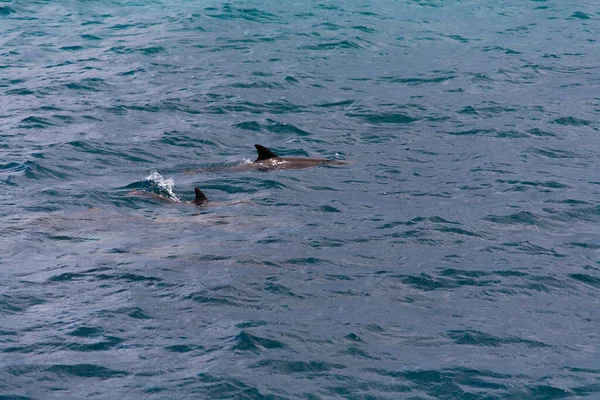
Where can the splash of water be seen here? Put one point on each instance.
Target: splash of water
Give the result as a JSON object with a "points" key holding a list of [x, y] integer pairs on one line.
{"points": [[164, 184]]}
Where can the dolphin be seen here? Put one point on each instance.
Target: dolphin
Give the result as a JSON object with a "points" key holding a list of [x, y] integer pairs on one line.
{"points": [[268, 160], [199, 200]]}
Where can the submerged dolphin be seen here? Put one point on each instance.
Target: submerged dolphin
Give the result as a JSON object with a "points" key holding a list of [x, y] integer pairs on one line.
{"points": [[269, 160], [199, 200]]}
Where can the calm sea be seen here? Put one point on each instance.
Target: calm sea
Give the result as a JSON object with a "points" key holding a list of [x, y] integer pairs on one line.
{"points": [[457, 257]]}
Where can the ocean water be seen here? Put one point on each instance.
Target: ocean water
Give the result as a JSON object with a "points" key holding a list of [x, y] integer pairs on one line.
{"points": [[457, 257]]}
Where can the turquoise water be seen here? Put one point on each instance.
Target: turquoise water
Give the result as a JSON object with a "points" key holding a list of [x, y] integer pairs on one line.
{"points": [[457, 257]]}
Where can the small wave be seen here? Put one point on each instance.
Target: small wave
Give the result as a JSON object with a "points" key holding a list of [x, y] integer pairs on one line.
{"points": [[384, 118], [344, 44], [71, 48], [249, 14], [90, 84], [524, 247], [10, 304], [131, 72], [520, 218], [292, 367], [572, 121], [271, 107], [280, 127], [249, 126], [183, 348], [86, 371], [6, 10], [90, 37], [587, 279], [418, 81], [471, 132], [365, 29], [20, 92], [226, 295], [246, 341], [148, 51], [579, 15], [256, 85], [33, 122], [553, 153], [500, 49], [539, 132], [13, 166], [34, 170], [477, 338]]}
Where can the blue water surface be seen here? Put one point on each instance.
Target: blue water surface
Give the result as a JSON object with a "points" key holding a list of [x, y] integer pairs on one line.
{"points": [[456, 257]]}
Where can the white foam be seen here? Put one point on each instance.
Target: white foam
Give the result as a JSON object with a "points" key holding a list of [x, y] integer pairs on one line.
{"points": [[165, 184]]}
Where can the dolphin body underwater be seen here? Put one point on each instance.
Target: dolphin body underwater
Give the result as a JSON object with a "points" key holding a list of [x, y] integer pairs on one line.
{"points": [[199, 200], [268, 160]]}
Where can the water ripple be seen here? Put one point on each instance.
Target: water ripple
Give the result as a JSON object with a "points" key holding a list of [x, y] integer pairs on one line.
{"points": [[456, 257]]}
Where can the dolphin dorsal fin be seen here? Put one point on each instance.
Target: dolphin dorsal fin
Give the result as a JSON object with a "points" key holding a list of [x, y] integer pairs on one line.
{"points": [[200, 197], [264, 153]]}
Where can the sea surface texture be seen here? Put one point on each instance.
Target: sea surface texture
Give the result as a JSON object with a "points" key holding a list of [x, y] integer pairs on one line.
{"points": [[456, 257]]}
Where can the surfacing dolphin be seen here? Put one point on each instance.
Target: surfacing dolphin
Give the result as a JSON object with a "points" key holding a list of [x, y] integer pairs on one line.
{"points": [[199, 200], [268, 160]]}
